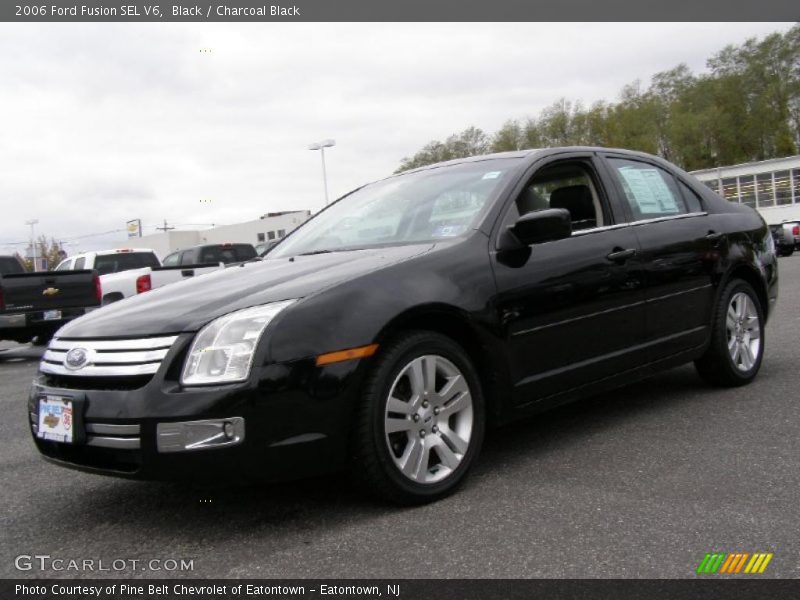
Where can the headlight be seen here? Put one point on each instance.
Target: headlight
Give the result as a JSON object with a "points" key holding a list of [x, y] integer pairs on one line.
{"points": [[223, 350]]}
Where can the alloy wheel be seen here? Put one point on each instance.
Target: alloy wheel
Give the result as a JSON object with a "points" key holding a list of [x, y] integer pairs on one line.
{"points": [[428, 419], [743, 331]]}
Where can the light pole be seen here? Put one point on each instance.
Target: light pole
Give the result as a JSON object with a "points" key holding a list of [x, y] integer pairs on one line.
{"points": [[321, 147], [32, 223]]}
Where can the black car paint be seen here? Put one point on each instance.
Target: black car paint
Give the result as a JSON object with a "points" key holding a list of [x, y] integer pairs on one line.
{"points": [[543, 325]]}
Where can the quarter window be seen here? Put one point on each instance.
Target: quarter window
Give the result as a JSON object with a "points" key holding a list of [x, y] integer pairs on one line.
{"points": [[690, 197], [651, 191], [79, 263]]}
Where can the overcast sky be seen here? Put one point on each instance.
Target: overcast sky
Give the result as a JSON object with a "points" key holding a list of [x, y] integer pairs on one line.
{"points": [[103, 123]]}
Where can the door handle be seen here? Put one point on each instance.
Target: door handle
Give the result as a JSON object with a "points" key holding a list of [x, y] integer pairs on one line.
{"points": [[621, 255]]}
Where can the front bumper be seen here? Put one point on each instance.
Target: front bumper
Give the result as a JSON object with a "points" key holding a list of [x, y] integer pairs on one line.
{"points": [[291, 420]]}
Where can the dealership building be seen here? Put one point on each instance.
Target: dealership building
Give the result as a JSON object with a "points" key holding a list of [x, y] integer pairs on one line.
{"points": [[770, 186], [270, 227]]}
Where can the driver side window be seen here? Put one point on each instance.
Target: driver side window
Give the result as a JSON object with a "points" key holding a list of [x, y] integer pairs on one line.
{"points": [[568, 185]]}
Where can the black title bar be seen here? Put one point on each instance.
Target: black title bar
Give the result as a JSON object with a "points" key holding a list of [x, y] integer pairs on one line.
{"points": [[418, 589], [402, 10]]}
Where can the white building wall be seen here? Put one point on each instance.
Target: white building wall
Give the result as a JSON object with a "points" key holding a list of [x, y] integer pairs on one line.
{"points": [[776, 196], [164, 243], [249, 231]]}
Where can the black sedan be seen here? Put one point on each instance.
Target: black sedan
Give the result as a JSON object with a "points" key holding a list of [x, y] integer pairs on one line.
{"points": [[384, 335]]}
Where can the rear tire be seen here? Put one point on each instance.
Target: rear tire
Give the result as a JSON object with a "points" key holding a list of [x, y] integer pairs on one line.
{"points": [[734, 355], [787, 251], [420, 424]]}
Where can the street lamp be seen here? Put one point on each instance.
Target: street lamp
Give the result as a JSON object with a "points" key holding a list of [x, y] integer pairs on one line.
{"points": [[321, 147], [32, 223]]}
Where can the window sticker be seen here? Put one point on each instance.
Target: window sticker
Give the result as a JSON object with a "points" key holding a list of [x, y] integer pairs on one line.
{"points": [[649, 190], [448, 230], [492, 175]]}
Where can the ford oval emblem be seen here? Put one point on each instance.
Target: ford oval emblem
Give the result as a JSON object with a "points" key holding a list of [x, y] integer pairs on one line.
{"points": [[76, 358]]}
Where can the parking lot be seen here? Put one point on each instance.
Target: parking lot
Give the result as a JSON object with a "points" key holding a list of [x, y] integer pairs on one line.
{"points": [[640, 482]]}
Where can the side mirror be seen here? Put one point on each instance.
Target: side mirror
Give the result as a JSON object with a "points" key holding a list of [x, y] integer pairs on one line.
{"points": [[537, 227]]}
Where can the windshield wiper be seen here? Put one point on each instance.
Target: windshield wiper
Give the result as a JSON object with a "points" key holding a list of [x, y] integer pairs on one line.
{"points": [[315, 252]]}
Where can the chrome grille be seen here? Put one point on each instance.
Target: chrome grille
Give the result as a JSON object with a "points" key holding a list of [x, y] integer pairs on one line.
{"points": [[107, 358]]}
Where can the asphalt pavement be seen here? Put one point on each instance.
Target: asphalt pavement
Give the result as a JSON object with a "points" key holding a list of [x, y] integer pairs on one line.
{"points": [[639, 482]]}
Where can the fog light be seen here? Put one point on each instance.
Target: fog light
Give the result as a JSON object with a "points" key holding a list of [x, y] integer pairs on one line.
{"points": [[199, 435]]}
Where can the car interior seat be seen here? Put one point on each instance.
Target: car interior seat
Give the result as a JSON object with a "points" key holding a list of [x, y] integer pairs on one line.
{"points": [[578, 200]]}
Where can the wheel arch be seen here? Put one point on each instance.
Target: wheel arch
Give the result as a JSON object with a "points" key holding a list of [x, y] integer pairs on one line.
{"points": [[750, 274], [112, 297], [457, 325]]}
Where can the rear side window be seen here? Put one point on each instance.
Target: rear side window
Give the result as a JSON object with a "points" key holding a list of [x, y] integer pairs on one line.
{"points": [[123, 261], [10, 266], [79, 263], [651, 192], [227, 254], [245, 252]]}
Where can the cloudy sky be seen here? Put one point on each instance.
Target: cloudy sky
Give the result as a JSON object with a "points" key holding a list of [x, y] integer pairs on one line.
{"points": [[103, 123]]}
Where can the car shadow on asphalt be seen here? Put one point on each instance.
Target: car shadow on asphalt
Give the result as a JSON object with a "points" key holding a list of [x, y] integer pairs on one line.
{"points": [[21, 354]]}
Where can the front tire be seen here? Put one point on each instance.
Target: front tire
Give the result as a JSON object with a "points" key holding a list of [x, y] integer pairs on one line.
{"points": [[421, 420], [737, 339]]}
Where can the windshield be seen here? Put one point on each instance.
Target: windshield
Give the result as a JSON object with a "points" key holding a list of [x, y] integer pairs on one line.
{"points": [[428, 205]]}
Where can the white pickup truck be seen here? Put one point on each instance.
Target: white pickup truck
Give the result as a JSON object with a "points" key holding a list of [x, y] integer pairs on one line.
{"points": [[127, 272]]}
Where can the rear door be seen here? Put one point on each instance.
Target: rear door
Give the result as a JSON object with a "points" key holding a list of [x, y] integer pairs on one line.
{"points": [[680, 251], [572, 309]]}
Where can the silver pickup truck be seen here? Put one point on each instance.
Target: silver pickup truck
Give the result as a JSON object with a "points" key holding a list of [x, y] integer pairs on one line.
{"points": [[786, 236]]}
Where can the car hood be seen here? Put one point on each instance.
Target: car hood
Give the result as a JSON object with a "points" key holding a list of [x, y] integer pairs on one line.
{"points": [[190, 304]]}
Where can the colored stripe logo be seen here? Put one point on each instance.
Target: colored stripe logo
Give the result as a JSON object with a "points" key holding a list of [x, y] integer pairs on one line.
{"points": [[734, 563]]}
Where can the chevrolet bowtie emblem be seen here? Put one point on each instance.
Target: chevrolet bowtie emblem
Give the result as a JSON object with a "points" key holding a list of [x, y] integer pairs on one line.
{"points": [[50, 291]]}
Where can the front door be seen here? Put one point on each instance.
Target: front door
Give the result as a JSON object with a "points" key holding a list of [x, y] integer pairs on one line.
{"points": [[572, 309]]}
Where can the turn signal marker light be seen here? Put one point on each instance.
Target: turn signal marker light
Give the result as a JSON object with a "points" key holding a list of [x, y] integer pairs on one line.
{"points": [[342, 355]]}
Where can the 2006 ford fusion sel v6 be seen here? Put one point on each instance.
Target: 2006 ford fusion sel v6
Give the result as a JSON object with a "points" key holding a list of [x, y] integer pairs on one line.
{"points": [[384, 334]]}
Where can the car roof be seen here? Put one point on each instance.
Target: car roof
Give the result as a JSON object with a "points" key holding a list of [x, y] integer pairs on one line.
{"points": [[529, 153], [112, 251]]}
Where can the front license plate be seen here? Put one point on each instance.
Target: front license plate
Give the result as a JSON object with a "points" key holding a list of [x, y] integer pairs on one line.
{"points": [[51, 315], [56, 419]]}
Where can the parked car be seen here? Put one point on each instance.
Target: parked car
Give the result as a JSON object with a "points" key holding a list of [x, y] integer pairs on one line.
{"points": [[794, 230], [784, 240], [110, 261], [35, 305], [464, 294], [211, 253], [127, 272]]}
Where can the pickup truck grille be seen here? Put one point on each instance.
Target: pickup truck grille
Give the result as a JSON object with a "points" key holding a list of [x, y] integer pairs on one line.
{"points": [[105, 358]]}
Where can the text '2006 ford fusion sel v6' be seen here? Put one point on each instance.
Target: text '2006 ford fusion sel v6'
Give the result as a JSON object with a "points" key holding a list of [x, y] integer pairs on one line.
{"points": [[384, 334]]}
